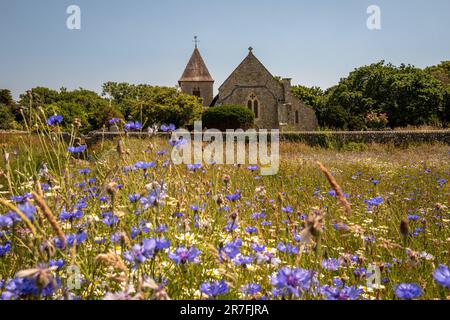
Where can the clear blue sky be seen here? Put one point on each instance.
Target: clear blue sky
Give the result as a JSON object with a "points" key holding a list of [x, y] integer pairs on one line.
{"points": [[315, 42]]}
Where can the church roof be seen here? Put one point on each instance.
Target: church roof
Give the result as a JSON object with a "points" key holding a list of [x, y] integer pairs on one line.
{"points": [[249, 60], [196, 69]]}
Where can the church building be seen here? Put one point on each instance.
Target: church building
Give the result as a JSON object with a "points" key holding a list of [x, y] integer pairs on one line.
{"points": [[196, 79], [253, 86]]}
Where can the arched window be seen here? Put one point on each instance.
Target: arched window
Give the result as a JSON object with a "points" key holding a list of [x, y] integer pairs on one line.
{"points": [[196, 92], [296, 117], [253, 104], [256, 108]]}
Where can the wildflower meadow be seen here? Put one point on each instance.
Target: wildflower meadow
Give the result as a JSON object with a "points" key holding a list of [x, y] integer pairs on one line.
{"points": [[119, 220]]}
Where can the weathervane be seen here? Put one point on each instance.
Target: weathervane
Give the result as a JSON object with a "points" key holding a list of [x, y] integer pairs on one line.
{"points": [[196, 41]]}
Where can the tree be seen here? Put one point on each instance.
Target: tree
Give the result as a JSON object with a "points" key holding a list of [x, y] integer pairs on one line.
{"points": [[154, 105], [228, 117], [406, 94], [441, 72], [92, 110], [310, 96], [7, 107]]}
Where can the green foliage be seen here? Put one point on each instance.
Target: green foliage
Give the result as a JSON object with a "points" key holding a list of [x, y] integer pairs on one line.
{"points": [[7, 106], [355, 146], [92, 110], [228, 117], [154, 105], [6, 117], [441, 72], [407, 95], [310, 96]]}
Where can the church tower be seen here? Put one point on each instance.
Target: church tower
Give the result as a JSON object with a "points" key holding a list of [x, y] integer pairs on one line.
{"points": [[196, 79]]}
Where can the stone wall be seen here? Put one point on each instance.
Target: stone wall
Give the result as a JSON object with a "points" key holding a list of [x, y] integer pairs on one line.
{"points": [[206, 90], [309, 137], [343, 137], [276, 103]]}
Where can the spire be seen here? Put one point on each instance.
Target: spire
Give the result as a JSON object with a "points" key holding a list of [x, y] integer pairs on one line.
{"points": [[196, 41], [196, 69]]}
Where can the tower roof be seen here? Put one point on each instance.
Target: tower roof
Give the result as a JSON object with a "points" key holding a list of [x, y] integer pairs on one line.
{"points": [[196, 69]]}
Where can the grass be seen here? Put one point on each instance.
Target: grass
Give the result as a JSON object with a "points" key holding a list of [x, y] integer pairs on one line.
{"points": [[192, 211]]}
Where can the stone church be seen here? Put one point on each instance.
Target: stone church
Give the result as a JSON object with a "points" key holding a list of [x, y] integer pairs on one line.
{"points": [[253, 86]]}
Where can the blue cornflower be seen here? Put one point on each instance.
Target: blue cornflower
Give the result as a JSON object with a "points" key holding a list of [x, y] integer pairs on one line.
{"points": [[28, 210], [287, 248], [360, 272], [331, 264], [243, 260], [79, 237], [78, 149], [374, 202], [259, 215], [442, 276], [133, 126], [252, 168], [84, 171], [234, 197], [340, 226], [56, 263], [231, 249], [109, 218], [162, 243], [116, 237], [166, 128], [135, 255], [139, 253], [251, 230], [114, 121], [338, 293], [5, 248], [231, 226], [135, 231], [251, 289], [181, 255], [7, 220], [144, 165], [332, 193], [70, 215], [53, 120], [258, 247], [413, 217], [29, 286], [408, 291], [194, 208], [134, 197], [161, 228], [289, 281], [161, 152], [179, 142], [287, 209], [194, 167], [22, 198], [214, 288], [441, 182], [417, 231]]}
